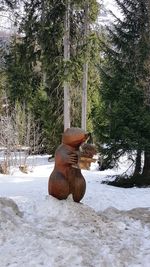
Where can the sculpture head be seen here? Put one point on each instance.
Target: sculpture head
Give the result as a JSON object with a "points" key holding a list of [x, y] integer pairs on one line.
{"points": [[74, 137]]}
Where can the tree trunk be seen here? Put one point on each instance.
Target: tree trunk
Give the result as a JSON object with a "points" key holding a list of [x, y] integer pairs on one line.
{"points": [[84, 95], [146, 168], [66, 58], [85, 73], [137, 163]]}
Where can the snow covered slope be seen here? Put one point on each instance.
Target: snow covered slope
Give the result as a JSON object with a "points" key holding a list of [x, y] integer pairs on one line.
{"points": [[110, 228]]}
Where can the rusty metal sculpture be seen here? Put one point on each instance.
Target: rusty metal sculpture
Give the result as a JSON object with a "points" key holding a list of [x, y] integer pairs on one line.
{"points": [[66, 178]]}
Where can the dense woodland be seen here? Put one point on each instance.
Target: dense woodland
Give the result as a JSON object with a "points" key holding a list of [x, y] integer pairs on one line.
{"points": [[116, 59]]}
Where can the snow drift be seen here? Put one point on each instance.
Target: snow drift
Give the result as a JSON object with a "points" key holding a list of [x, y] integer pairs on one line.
{"points": [[55, 233]]}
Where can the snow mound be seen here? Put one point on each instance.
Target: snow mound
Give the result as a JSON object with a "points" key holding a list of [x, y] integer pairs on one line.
{"points": [[9, 205], [141, 215], [55, 233], [10, 218], [132, 244], [10, 221]]}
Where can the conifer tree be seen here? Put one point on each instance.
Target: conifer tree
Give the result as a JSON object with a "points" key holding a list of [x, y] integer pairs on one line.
{"points": [[125, 123], [40, 62]]}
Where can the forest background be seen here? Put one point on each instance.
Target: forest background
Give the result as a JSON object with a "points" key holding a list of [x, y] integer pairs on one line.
{"points": [[33, 72]]}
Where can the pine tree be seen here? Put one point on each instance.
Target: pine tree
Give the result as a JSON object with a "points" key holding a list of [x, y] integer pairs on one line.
{"points": [[125, 123], [36, 64]]}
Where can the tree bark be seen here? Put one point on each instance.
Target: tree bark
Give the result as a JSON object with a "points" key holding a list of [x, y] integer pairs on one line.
{"points": [[85, 73], [146, 168], [137, 163], [66, 58], [84, 95]]}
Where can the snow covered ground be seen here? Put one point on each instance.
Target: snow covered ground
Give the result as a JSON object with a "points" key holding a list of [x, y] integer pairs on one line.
{"points": [[110, 228]]}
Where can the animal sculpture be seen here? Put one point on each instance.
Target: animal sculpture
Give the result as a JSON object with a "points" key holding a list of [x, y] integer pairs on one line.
{"points": [[65, 178]]}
